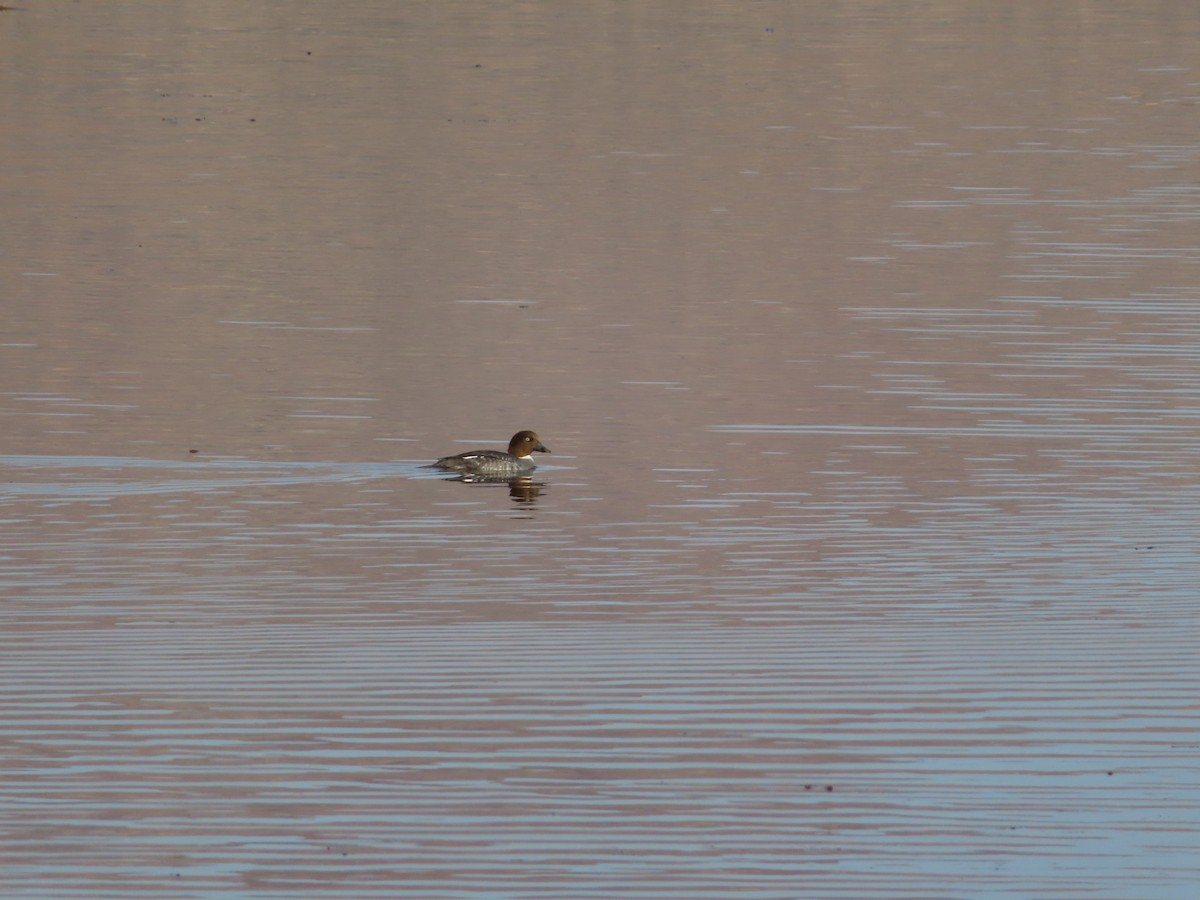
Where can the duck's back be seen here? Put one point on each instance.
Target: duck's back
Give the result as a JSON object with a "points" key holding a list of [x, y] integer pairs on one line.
{"points": [[485, 462]]}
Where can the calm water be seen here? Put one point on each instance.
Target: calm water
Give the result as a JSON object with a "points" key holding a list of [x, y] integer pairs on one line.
{"points": [[866, 338]]}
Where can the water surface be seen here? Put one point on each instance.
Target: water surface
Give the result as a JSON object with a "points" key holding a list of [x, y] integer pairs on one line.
{"points": [[865, 340]]}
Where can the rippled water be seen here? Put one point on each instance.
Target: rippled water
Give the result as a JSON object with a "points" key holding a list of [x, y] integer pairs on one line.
{"points": [[865, 562], [352, 678]]}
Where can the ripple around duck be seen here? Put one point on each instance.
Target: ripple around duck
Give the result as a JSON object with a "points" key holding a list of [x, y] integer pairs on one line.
{"points": [[103, 478]]}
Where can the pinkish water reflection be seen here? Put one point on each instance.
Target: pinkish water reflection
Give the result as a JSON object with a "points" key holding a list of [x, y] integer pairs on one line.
{"points": [[866, 341]]}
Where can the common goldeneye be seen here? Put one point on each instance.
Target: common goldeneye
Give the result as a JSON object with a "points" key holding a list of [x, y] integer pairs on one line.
{"points": [[497, 463]]}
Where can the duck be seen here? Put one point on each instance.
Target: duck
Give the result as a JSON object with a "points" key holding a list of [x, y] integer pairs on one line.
{"points": [[497, 463]]}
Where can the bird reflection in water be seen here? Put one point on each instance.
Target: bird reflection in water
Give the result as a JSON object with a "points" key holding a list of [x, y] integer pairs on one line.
{"points": [[522, 489]]}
